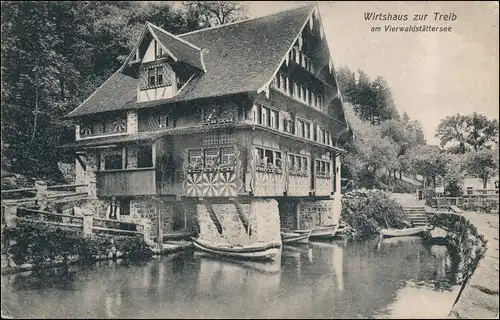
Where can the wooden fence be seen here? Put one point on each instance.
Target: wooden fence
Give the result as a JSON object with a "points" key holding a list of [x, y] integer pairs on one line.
{"points": [[17, 209]]}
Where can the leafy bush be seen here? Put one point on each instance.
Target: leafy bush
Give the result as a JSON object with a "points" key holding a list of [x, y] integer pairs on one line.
{"points": [[39, 243], [486, 205], [367, 211]]}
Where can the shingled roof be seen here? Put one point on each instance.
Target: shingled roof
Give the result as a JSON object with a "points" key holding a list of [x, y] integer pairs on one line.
{"points": [[179, 48], [239, 57]]}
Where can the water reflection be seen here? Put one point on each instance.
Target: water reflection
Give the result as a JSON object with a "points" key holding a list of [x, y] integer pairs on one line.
{"points": [[321, 280]]}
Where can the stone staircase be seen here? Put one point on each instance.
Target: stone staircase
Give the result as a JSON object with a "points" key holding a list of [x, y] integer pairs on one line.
{"points": [[417, 215]]}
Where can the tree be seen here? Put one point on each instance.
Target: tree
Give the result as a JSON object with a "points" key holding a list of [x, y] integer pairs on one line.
{"points": [[482, 132], [429, 161], [464, 133], [482, 163], [213, 13], [54, 55]]}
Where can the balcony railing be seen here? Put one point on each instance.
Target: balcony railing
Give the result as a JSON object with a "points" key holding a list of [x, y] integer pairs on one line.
{"points": [[126, 182]]}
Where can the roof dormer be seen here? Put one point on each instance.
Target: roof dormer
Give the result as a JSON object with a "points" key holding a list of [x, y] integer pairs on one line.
{"points": [[163, 63]]}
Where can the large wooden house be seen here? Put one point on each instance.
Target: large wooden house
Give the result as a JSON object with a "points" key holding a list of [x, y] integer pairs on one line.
{"points": [[228, 115]]}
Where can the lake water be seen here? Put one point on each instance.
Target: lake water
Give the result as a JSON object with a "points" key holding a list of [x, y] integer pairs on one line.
{"points": [[395, 278]]}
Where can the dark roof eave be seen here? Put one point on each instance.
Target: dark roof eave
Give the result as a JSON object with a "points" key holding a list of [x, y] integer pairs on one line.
{"points": [[154, 103]]}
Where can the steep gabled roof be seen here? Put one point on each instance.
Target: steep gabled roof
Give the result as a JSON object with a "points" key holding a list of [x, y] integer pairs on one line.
{"points": [[180, 49], [238, 57]]}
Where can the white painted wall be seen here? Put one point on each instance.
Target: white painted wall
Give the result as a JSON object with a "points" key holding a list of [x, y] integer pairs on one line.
{"points": [[156, 93]]}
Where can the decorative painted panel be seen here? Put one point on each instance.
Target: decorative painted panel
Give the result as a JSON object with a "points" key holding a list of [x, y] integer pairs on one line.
{"points": [[269, 184], [219, 114], [324, 187], [212, 171], [298, 185], [211, 184]]}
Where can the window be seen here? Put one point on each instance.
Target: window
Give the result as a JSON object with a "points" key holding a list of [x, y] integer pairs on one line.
{"points": [[304, 129], [315, 133], [152, 120], [307, 131], [264, 120], [144, 156], [267, 117], [227, 155], [268, 160], [268, 155], [118, 208], [152, 77], [323, 169], [115, 123], [113, 162], [298, 165], [155, 76], [195, 156], [274, 119], [211, 157]]}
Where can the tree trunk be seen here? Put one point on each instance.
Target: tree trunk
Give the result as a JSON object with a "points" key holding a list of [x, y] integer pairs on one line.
{"points": [[400, 176], [485, 182]]}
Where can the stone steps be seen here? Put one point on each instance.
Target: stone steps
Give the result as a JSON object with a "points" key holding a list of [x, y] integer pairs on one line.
{"points": [[417, 215]]}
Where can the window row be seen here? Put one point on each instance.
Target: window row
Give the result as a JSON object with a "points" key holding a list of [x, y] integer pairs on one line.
{"points": [[305, 129], [268, 160], [266, 117], [113, 124], [118, 159], [297, 91], [211, 159], [152, 120], [298, 165], [301, 59], [155, 76], [323, 169]]}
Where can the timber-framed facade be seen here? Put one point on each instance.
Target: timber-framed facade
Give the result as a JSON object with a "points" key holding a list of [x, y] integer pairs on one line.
{"points": [[212, 122]]}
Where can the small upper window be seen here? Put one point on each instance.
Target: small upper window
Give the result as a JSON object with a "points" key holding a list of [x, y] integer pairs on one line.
{"points": [[152, 77]]}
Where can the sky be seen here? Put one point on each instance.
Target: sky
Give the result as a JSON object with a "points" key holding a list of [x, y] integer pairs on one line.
{"points": [[431, 74]]}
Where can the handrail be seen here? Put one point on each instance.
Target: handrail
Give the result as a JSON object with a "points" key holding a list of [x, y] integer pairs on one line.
{"points": [[54, 196], [19, 190], [67, 186], [62, 224], [117, 221], [116, 230], [126, 170], [52, 213]]}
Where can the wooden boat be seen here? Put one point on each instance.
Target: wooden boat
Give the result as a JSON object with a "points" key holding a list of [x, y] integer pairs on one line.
{"points": [[403, 232], [258, 251], [295, 237], [175, 246], [321, 232]]}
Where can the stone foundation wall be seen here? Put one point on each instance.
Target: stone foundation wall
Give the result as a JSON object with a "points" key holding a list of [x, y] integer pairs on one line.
{"points": [[287, 213], [144, 209], [166, 215], [318, 213], [262, 216]]}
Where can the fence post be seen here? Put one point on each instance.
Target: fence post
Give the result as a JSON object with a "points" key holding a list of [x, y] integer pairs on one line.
{"points": [[41, 194], [88, 220], [10, 215], [147, 232]]}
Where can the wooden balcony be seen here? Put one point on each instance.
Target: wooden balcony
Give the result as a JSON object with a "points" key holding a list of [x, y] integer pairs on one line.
{"points": [[126, 182]]}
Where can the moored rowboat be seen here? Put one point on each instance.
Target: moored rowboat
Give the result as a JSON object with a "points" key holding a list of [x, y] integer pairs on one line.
{"points": [[321, 232], [403, 232], [259, 251], [295, 237]]}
